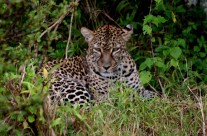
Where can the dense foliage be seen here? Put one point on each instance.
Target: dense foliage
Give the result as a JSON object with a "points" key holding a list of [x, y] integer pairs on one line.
{"points": [[169, 45]]}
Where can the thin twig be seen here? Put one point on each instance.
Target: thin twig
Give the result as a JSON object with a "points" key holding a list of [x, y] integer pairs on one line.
{"points": [[69, 36], [56, 23], [110, 18], [152, 88], [70, 7], [88, 6]]}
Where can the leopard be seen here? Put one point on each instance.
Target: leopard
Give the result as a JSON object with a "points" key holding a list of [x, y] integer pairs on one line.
{"points": [[81, 79]]}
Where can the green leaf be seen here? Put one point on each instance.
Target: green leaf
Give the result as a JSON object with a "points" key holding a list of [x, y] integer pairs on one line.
{"points": [[175, 52], [31, 118], [145, 77], [147, 29], [180, 9], [154, 19], [166, 52], [160, 19], [17, 132], [38, 39], [153, 39], [158, 1], [196, 48], [173, 63], [56, 122], [202, 54], [160, 64], [147, 63], [181, 42], [32, 109], [148, 19], [20, 116]]}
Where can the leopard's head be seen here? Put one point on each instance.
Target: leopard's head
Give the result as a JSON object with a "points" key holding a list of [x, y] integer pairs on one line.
{"points": [[106, 48]]}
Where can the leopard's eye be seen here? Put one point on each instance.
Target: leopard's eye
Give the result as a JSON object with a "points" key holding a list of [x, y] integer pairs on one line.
{"points": [[97, 50], [116, 50]]}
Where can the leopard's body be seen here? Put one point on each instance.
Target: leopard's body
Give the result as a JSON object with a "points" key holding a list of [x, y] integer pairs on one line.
{"points": [[81, 79]]}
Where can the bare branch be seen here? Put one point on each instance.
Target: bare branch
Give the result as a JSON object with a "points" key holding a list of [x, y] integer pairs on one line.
{"points": [[52, 26], [69, 36], [56, 24]]}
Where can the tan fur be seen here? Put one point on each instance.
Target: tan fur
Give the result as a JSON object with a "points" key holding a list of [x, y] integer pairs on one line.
{"points": [[80, 79]]}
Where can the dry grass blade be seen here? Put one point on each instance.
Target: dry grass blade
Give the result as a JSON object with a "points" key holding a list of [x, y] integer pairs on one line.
{"points": [[49, 115], [200, 102]]}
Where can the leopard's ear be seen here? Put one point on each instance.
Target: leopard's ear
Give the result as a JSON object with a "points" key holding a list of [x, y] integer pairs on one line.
{"points": [[88, 34], [128, 31]]}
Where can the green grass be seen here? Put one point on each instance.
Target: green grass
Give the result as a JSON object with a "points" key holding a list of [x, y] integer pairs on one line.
{"points": [[125, 115], [172, 56], [181, 112]]}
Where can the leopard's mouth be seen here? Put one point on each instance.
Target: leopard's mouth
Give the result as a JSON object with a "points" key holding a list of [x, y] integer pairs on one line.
{"points": [[106, 74]]}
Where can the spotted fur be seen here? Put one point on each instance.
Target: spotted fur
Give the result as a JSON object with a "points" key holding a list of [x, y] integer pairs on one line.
{"points": [[81, 79]]}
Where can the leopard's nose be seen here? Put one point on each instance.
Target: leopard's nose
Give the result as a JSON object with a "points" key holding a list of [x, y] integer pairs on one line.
{"points": [[106, 67]]}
